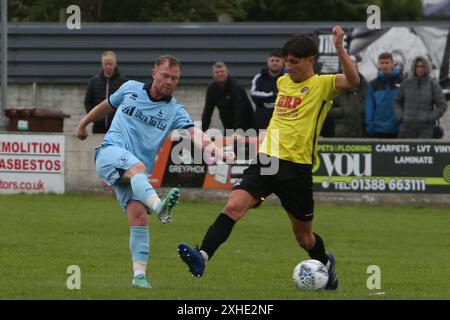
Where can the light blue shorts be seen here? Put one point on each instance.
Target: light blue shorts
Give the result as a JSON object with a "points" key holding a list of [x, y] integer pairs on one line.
{"points": [[111, 163]]}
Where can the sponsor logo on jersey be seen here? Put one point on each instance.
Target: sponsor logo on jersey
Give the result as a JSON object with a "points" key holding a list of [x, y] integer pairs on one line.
{"points": [[289, 102], [154, 121], [129, 110], [151, 120]]}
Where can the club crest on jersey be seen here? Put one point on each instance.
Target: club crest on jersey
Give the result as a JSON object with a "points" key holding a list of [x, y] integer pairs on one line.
{"points": [[161, 114], [123, 160], [304, 90]]}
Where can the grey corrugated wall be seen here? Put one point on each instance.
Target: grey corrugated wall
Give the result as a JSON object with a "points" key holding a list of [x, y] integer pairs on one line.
{"points": [[51, 53]]}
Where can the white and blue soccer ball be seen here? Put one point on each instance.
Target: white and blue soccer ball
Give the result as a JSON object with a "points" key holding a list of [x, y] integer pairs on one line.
{"points": [[310, 275]]}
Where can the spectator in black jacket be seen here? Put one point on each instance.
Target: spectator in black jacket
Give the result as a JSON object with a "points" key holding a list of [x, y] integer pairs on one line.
{"points": [[101, 86], [346, 118], [264, 89], [225, 93]]}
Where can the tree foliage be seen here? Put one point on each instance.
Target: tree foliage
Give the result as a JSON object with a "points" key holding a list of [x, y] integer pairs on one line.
{"points": [[330, 10], [209, 10]]}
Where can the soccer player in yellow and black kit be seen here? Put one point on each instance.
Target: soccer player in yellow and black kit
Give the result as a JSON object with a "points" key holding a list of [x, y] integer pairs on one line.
{"points": [[290, 146]]}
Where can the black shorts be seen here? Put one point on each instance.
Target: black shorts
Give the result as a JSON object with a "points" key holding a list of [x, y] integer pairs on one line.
{"points": [[291, 183]]}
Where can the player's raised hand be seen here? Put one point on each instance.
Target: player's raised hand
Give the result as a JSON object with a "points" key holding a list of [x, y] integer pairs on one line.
{"points": [[81, 132], [338, 37]]}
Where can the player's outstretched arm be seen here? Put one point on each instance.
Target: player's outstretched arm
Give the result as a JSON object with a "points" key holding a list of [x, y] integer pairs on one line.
{"points": [[97, 113], [349, 78], [203, 141]]}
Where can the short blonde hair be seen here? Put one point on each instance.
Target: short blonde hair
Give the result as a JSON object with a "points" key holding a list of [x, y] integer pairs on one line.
{"points": [[109, 53]]}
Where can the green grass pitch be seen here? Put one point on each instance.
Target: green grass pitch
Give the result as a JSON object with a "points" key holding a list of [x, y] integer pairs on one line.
{"points": [[41, 235]]}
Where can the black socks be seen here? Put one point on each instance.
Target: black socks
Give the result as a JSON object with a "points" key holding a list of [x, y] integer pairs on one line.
{"points": [[318, 251], [217, 234], [221, 229]]}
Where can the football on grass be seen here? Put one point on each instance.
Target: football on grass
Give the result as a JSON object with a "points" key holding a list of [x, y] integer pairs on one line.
{"points": [[310, 275]]}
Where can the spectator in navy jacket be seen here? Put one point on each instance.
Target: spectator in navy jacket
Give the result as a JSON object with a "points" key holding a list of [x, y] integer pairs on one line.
{"points": [[379, 105], [264, 89]]}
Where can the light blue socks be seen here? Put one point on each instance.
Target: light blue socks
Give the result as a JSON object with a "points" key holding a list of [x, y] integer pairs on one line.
{"points": [[140, 248], [144, 191]]}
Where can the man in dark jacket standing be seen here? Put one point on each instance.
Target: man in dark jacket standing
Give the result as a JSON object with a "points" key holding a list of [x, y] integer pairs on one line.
{"points": [[235, 108], [379, 109], [101, 86], [419, 102], [347, 113], [264, 89]]}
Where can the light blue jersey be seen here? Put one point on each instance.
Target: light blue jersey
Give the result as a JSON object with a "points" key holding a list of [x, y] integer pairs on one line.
{"points": [[140, 124]]}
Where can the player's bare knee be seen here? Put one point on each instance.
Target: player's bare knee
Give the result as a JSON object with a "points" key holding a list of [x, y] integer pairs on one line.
{"points": [[138, 168], [234, 210], [140, 220], [137, 214], [135, 169]]}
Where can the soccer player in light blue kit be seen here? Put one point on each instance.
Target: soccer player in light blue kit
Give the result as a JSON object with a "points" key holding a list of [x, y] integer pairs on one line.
{"points": [[145, 115]]}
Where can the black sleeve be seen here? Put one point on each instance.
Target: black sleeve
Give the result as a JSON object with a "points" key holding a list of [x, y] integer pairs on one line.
{"points": [[243, 109], [261, 96], [122, 80], [89, 97], [399, 101], [207, 110], [438, 99]]}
